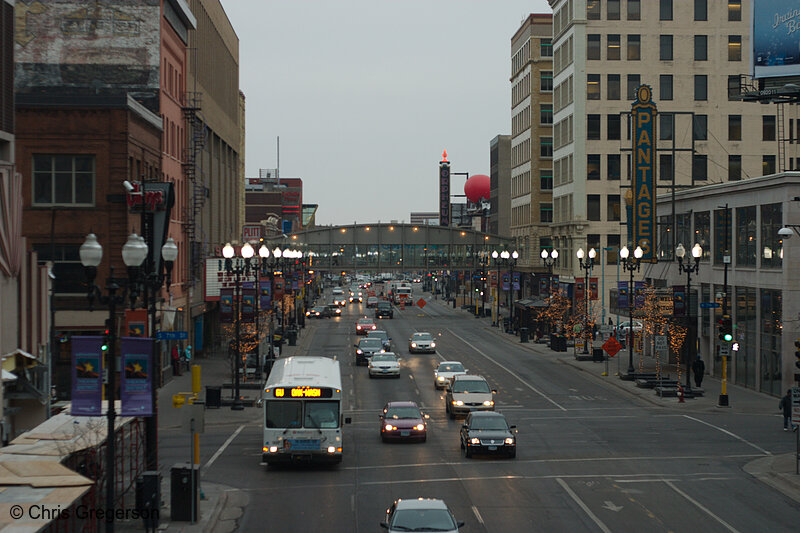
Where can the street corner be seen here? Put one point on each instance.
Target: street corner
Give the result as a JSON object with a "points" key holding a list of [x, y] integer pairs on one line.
{"points": [[777, 471]]}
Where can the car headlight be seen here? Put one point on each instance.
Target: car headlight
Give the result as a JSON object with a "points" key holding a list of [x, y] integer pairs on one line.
{"points": [[488, 402], [458, 402], [389, 427], [420, 427], [358, 327], [383, 351], [308, 313], [475, 440], [433, 345], [374, 326], [359, 352], [440, 378], [413, 344], [510, 440], [273, 449], [331, 449]]}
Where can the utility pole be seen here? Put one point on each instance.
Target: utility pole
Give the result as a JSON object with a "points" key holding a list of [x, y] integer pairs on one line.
{"points": [[726, 259]]}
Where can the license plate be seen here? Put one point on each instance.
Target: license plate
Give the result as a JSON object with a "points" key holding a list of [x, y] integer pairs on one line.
{"points": [[492, 448], [404, 433]]}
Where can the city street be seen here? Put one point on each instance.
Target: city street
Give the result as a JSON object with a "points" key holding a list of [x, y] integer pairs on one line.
{"points": [[590, 457]]}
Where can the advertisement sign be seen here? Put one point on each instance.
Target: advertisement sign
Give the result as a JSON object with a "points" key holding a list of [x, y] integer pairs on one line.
{"points": [[226, 306], [643, 114], [252, 232], [515, 281], [679, 300], [444, 193], [506, 281], [622, 294], [265, 294], [136, 380], [776, 38], [136, 322], [248, 305], [87, 376], [593, 289]]}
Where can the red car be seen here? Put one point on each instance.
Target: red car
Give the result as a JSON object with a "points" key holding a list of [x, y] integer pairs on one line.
{"points": [[365, 325], [403, 421]]}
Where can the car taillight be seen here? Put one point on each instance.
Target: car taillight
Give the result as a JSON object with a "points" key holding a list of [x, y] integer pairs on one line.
{"points": [[373, 326], [358, 327]]}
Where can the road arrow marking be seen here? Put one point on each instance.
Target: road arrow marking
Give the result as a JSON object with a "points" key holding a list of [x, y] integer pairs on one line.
{"points": [[611, 507]]}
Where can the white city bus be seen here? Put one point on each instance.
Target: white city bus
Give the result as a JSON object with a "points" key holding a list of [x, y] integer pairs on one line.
{"points": [[302, 411]]}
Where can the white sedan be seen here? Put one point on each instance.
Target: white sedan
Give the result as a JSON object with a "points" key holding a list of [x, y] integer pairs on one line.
{"points": [[384, 364], [421, 342], [446, 371]]}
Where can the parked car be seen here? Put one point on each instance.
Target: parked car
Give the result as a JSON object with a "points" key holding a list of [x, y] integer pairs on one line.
{"points": [[468, 393], [384, 364], [485, 432], [384, 310], [403, 421], [364, 325], [366, 348], [421, 342], [622, 329], [372, 301], [383, 336], [445, 373], [420, 514]]}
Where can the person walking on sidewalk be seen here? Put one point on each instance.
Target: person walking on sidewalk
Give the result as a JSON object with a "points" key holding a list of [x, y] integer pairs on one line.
{"points": [[699, 369], [786, 405], [176, 361]]}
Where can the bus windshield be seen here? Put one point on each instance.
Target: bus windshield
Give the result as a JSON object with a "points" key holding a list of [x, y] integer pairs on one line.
{"points": [[321, 415], [282, 414]]}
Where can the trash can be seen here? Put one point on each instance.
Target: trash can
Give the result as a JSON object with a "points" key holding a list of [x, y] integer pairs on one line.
{"points": [[523, 334], [292, 334], [213, 396], [597, 355], [148, 498], [182, 490]]}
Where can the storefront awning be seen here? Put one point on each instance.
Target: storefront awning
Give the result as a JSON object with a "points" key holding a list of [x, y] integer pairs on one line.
{"points": [[530, 303]]}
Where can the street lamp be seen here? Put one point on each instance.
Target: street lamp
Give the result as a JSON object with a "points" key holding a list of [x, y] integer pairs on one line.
{"points": [[688, 268], [496, 256], [134, 253], [246, 253], [549, 259], [587, 267], [631, 264], [510, 260]]}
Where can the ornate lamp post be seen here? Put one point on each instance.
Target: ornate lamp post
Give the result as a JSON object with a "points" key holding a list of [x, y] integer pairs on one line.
{"points": [[134, 253], [688, 268], [631, 264], [263, 254], [228, 253], [587, 267], [496, 257], [549, 259]]}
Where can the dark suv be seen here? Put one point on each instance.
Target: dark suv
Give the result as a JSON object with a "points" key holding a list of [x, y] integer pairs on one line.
{"points": [[384, 310]]}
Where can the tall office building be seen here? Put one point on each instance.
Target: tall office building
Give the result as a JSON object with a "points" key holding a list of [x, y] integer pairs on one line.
{"points": [[692, 54]]}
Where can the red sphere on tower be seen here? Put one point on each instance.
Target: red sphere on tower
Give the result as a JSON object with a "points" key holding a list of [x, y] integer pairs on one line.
{"points": [[477, 187]]}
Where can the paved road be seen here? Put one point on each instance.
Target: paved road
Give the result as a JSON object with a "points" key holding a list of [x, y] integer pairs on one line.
{"points": [[591, 457]]}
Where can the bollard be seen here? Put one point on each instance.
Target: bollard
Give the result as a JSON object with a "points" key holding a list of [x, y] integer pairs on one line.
{"points": [[196, 381]]}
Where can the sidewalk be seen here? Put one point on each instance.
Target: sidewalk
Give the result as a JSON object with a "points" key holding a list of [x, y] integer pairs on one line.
{"points": [[777, 471]]}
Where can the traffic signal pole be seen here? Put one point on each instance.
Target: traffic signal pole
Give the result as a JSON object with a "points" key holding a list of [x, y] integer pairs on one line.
{"points": [[726, 259]]}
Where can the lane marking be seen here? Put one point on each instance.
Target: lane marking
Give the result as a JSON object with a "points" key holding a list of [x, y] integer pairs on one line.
{"points": [[531, 387], [583, 506], [440, 480], [477, 514], [759, 448], [222, 448], [701, 507]]}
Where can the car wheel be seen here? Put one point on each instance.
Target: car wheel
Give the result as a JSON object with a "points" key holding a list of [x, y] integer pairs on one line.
{"points": [[371, 376], [512, 454]]}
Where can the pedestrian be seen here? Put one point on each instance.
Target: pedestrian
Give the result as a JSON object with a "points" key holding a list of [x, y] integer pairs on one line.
{"points": [[176, 361], [188, 356], [786, 405], [699, 369]]}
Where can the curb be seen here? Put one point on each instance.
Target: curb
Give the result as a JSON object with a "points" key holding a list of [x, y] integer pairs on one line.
{"points": [[213, 518], [763, 469]]}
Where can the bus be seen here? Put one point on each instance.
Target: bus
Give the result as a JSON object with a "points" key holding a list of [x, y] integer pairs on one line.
{"points": [[302, 402]]}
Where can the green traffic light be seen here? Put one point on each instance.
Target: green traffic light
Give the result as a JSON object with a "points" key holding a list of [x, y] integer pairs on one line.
{"points": [[728, 337], [104, 347]]}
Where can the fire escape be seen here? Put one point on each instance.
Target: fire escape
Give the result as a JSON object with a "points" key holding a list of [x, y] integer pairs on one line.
{"points": [[197, 134]]}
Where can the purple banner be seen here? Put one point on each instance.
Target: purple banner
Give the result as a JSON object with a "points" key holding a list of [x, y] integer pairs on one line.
{"points": [[87, 376], [543, 288], [505, 281], [554, 285], [295, 285], [136, 379], [679, 300], [265, 295], [248, 306], [638, 294], [622, 294], [226, 306], [515, 281]]}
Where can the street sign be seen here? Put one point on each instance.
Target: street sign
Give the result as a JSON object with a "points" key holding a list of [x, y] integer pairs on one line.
{"points": [[796, 405], [172, 335], [612, 346], [709, 305], [421, 303], [724, 350], [662, 347]]}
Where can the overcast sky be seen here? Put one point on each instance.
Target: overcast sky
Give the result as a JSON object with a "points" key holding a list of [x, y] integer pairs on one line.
{"points": [[365, 95]]}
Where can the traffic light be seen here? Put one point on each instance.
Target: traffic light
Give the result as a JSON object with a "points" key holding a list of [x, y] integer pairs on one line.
{"points": [[797, 353], [726, 329], [106, 335]]}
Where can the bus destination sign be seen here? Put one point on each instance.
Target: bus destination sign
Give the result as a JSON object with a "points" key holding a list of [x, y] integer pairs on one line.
{"points": [[303, 392]]}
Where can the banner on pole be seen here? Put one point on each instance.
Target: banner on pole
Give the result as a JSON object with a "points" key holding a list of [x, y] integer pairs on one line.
{"points": [[226, 306], [136, 384], [593, 289], [515, 281], [543, 286], [265, 295], [580, 290], [679, 300], [248, 306], [136, 322], [622, 294], [87, 376], [505, 281], [638, 293]]}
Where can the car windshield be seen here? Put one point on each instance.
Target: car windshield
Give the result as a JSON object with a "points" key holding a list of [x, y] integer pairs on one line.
{"points": [[406, 411], [370, 344], [318, 309], [422, 336], [451, 367], [365, 321], [488, 422], [390, 358], [471, 386], [422, 520], [377, 335], [384, 304]]}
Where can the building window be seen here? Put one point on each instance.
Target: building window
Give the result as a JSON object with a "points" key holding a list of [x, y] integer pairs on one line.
{"points": [[665, 242], [666, 122], [734, 47], [702, 232], [767, 165], [593, 167], [722, 228], [746, 242], [546, 81], [612, 87], [771, 370], [734, 127], [545, 212], [593, 46], [768, 127], [593, 86], [701, 47], [69, 273], [592, 9], [613, 47], [546, 114], [665, 86], [546, 179], [734, 167], [546, 47], [63, 180], [699, 167], [634, 10], [665, 169], [634, 47], [593, 207], [771, 242], [700, 87], [700, 127], [612, 9], [611, 255], [733, 87], [545, 146], [734, 10], [612, 205], [613, 127], [665, 10], [613, 167], [700, 9], [593, 127], [634, 80], [665, 47]]}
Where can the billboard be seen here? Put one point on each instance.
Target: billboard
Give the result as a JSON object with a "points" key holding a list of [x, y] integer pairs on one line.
{"points": [[643, 113], [776, 38]]}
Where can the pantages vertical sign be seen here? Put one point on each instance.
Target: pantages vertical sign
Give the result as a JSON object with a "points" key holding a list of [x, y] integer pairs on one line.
{"points": [[643, 112], [444, 191]]}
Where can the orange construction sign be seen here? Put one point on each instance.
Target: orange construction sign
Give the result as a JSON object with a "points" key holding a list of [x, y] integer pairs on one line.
{"points": [[421, 303], [612, 346]]}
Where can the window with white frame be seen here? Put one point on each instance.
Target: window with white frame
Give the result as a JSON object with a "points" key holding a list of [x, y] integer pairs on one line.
{"points": [[63, 180]]}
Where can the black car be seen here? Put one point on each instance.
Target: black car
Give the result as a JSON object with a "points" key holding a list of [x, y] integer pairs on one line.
{"points": [[488, 432], [366, 348], [321, 311], [384, 310]]}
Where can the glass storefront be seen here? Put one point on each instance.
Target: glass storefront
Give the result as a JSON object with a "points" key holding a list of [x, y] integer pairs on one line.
{"points": [[771, 326], [744, 333]]}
